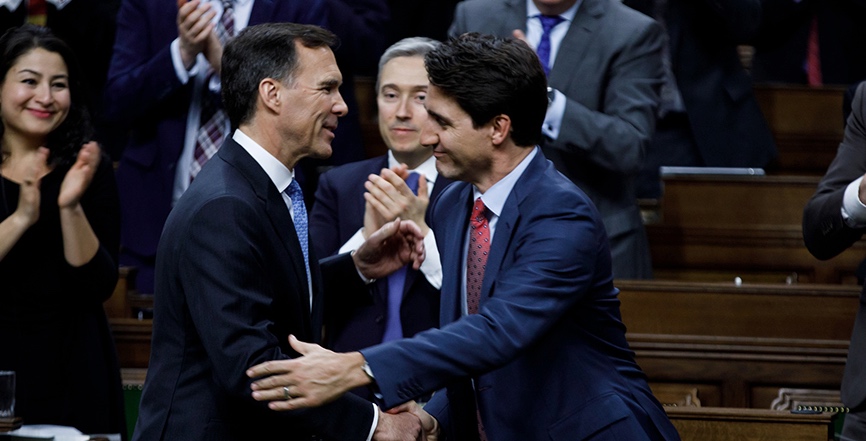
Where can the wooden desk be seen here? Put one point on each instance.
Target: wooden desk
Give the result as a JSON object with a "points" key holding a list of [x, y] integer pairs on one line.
{"points": [[726, 424], [715, 228]]}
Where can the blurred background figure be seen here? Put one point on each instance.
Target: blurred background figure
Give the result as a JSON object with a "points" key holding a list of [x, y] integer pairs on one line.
{"points": [[708, 114], [59, 238], [88, 27], [163, 86], [814, 42]]}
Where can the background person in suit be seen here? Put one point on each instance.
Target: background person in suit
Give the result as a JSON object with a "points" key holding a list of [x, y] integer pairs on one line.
{"points": [[811, 42], [163, 71], [605, 64], [234, 272], [59, 235], [337, 220], [833, 220], [529, 314], [708, 114]]}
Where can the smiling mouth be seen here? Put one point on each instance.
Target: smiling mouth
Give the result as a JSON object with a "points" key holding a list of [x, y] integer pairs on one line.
{"points": [[41, 113]]}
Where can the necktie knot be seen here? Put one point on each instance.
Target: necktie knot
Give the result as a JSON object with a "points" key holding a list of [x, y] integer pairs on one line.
{"points": [[479, 215], [412, 181], [548, 22]]}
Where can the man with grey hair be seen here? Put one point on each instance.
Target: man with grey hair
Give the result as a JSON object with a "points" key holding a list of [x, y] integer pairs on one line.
{"points": [[407, 301]]}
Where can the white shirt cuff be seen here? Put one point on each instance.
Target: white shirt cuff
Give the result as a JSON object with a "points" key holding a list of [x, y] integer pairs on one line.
{"points": [[179, 69], [432, 267], [375, 421], [353, 243], [853, 209], [553, 118]]}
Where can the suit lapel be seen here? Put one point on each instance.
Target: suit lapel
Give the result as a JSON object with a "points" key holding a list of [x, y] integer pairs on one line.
{"points": [[508, 222], [452, 251], [576, 42], [513, 18], [278, 214]]}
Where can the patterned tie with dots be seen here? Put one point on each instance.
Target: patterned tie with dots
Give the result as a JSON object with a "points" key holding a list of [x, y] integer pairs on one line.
{"points": [[300, 220], [476, 259]]}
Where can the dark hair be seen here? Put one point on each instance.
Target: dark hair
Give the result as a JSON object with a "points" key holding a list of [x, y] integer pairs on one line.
{"points": [[65, 141], [259, 52], [490, 76]]}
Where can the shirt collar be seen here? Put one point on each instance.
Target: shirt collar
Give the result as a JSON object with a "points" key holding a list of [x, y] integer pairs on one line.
{"points": [[280, 175], [568, 15], [494, 198], [427, 168]]}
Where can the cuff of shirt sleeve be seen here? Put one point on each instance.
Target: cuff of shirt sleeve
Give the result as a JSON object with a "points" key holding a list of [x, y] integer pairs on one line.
{"points": [[353, 243], [432, 267], [183, 75], [553, 118], [853, 209], [375, 422]]}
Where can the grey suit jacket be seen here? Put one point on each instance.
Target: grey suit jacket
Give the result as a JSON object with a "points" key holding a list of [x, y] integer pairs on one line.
{"points": [[609, 67], [826, 234]]}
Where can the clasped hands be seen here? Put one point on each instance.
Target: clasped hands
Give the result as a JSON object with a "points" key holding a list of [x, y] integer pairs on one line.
{"points": [[195, 29], [320, 376]]}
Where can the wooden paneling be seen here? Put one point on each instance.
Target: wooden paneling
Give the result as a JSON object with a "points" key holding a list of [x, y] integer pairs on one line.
{"points": [[807, 125], [731, 341]]}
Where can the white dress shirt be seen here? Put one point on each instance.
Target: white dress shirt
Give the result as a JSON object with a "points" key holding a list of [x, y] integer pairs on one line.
{"points": [[553, 118]]}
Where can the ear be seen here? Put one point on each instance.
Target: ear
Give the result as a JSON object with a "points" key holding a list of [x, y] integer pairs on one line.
{"points": [[500, 129], [269, 94]]}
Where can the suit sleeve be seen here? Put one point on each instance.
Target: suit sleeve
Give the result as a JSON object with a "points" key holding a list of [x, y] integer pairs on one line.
{"points": [[547, 274], [324, 218], [824, 230], [232, 309], [615, 136], [140, 76]]}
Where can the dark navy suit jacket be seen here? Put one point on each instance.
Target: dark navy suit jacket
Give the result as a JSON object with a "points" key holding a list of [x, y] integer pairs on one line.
{"points": [[337, 215], [547, 349], [232, 287], [144, 95]]}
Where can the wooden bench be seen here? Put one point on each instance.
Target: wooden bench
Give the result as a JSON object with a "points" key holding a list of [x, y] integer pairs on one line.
{"points": [[716, 228], [739, 345]]}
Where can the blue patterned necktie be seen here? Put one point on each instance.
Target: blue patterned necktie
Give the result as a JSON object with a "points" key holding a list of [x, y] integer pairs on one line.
{"points": [[396, 282], [548, 22], [300, 220]]}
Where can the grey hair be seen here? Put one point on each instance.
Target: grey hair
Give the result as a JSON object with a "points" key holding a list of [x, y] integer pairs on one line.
{"points": [[407, 47]]}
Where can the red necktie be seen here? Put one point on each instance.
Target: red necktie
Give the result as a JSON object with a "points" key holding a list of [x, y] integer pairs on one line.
{"points": [[476, 259], [36, 12], [813, 56], [476, 262]]}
